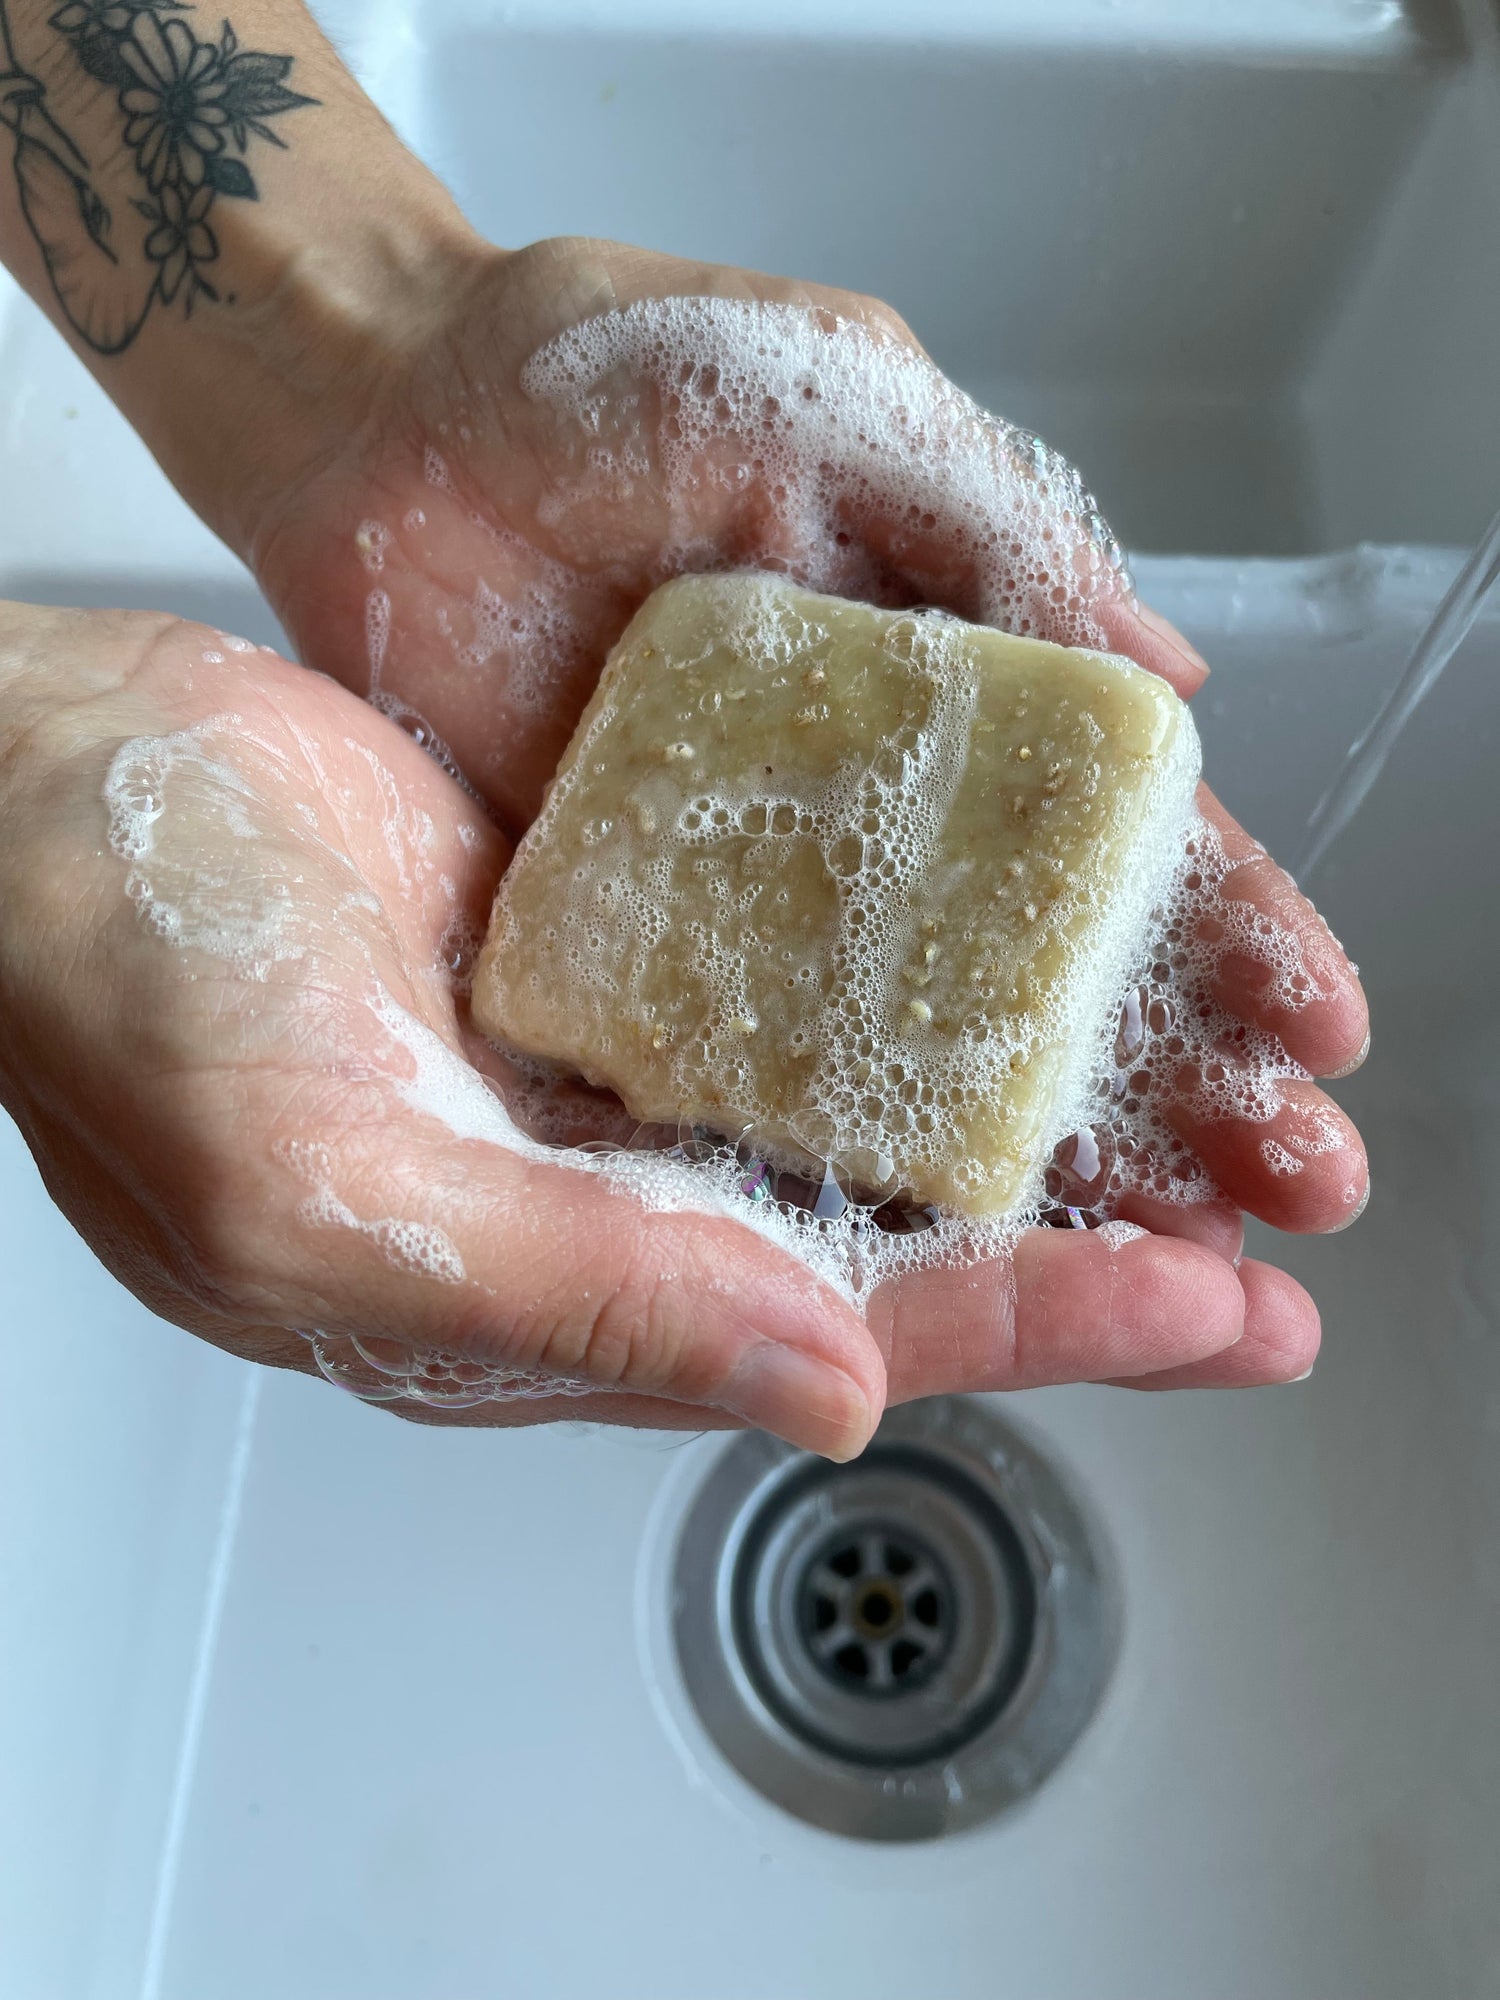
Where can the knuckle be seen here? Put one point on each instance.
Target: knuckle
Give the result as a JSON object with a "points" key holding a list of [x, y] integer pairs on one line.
{"points": [[884, 319], [621, 1329]]}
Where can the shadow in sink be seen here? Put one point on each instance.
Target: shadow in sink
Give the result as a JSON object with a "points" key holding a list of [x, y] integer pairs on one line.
{"points": [[224, 603]]}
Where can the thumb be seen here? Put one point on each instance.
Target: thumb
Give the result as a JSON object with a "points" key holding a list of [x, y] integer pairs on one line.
{"points": [[514, 1264]]}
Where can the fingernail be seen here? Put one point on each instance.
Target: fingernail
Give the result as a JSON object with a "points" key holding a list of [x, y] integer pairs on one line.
{"points": [[1355, 1213], [1169, 634], [1292, 1380], [806, 1401], [1350, 1067]]}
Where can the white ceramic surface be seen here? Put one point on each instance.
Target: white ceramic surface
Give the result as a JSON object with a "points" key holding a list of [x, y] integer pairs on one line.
{"points": [[296, 1700]]}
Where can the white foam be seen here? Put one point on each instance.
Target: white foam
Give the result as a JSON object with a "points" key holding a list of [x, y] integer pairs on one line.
{"points": [[531, 630], [178, 813], [385, 1371], [419, 1248], [372, 539], [377, 635], [699, 434], [825, 430], [443, 1086], [1117, 1234]]}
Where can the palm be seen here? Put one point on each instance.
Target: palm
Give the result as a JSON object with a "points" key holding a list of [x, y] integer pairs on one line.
{"points": [[307, 860]]}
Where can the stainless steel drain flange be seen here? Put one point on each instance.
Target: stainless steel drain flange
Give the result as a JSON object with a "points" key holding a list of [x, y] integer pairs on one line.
{"points": [[901, 1647]]}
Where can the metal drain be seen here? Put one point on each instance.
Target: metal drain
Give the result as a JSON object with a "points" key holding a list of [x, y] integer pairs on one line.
{"points": [[900, 1647]]}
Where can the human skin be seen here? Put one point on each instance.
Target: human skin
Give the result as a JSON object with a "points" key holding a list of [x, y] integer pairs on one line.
{"points": [[356, 320]]}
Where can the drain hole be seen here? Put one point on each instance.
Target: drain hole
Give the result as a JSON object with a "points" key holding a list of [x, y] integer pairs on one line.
{"points": [[877, 1608], [899, 1646]]}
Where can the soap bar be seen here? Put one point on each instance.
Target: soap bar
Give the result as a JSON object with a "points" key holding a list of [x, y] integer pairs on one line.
{"points": [[863, 886]]}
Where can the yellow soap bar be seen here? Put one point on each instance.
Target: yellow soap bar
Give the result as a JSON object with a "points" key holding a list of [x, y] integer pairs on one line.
{"points": [[863, 885]]}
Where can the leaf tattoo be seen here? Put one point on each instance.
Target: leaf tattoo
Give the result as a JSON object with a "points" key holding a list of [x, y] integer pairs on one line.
{"points": [[189, 109]]}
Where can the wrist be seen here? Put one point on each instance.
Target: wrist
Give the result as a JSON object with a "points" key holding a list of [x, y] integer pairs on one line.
{"points": [[223, 225], [321, 325]]}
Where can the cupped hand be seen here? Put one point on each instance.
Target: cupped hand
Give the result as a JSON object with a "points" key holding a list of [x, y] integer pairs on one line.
{"points": [[471, 542]]}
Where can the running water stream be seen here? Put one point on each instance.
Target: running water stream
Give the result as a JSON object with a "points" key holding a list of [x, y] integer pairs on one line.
{"points": [[1444, 633]]}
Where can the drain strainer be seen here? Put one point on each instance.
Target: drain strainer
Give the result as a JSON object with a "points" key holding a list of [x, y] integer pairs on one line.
{"points": [[876, 1608], [900, 1647]]}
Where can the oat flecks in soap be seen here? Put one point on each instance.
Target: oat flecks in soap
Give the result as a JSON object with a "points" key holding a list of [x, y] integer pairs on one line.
{"points": [[867, 884]]}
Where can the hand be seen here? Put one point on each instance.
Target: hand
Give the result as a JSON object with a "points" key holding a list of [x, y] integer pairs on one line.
{"points": [[493, 551]]}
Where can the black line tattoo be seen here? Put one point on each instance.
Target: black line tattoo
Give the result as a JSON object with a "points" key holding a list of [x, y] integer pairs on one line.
{"points": [[128, 231]]}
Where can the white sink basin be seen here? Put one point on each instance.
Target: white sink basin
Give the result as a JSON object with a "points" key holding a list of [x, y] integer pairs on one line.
{"points": [[302, 1701]]}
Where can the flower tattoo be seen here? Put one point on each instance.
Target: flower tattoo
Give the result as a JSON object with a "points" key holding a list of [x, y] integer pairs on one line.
{"points": [[189, 107], [181, 240], [176, 105], [83, 16]]}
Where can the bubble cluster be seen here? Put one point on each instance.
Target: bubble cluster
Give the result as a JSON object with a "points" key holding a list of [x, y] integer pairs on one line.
{"points": [[186, 895], [420, 730], [372, 539], [538, 624], [784, 437], [377, 635], [389, 1371], [419, 1248], [1178, 1049]]}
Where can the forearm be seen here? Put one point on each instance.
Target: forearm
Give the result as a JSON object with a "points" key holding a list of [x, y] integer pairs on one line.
{"points": [[219, 220]]}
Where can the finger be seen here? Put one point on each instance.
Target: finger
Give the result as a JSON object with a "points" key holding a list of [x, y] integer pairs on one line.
{"points": [[1303, 1169], [1217, 1225], [1278, 964], [1070, 1306], [1143, 635], [1280, 1342]]}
